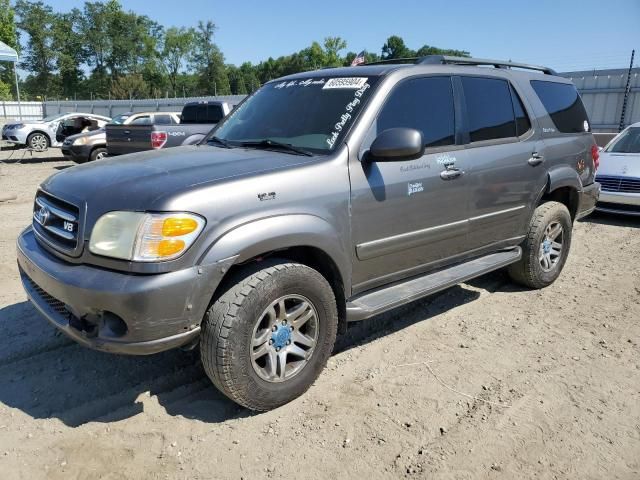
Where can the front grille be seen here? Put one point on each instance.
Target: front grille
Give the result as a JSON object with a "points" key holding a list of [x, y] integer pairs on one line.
{"points": [[610, 183], [56, 220], [55, 304]]}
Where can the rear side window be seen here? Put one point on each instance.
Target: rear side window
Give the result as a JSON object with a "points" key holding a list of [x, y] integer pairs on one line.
{"points": [[202, 113], [489, 109], [141, 121], [425, 104], [164, 120], [564, 105]]}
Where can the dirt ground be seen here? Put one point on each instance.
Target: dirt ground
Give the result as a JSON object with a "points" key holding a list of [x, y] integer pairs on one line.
{"points": [[486, 380]]}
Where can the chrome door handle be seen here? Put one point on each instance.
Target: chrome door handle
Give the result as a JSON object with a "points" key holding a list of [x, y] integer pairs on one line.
{"points": [[536, 159], [451, 173]]}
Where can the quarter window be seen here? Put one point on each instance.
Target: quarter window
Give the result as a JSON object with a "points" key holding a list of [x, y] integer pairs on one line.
{"points": [[564, 105], [425, 104], [490, 113]]}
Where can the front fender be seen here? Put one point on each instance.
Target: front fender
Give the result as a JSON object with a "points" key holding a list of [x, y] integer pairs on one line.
{"points": [[279, 232]]}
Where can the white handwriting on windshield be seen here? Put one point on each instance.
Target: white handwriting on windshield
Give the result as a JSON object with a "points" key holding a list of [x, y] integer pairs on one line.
{"points": [[346, 116]]}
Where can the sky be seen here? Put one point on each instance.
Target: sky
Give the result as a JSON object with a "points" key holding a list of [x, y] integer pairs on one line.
{"points": [[567, 35]]}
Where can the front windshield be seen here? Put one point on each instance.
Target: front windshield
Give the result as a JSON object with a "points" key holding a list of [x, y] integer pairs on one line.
{"points": [[120, 119], [313, 114], [627, 142], [51, 118]]}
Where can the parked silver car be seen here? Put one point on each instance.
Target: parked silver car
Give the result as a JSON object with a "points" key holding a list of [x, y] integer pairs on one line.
{"points": [[619, 173], [51, 131]]}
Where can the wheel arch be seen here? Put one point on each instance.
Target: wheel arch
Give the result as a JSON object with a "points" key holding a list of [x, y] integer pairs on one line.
{"points": [[305, 239], [33, 132], [564, 186]]}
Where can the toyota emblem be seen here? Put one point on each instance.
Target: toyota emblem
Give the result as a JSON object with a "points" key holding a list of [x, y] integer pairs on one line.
{"points": [[43, 215]]}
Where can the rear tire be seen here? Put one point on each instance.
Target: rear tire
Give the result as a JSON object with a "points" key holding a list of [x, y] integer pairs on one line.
{"points": [[98, 154], [545, 248], [267, 337]]}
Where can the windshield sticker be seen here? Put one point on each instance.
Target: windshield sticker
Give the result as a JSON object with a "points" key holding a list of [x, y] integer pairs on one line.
{"points": [[354, 83], [346, 116], [299, 83]]}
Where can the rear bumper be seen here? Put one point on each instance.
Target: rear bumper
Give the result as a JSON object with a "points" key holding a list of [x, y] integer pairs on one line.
{"points": [[588, 199], [160, 312]]}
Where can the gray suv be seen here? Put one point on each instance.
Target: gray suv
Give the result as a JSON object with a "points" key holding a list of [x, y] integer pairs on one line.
{"points": [[325, 198]]}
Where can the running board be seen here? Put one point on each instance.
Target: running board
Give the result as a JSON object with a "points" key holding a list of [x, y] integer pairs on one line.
{"points": [[373, 303]]}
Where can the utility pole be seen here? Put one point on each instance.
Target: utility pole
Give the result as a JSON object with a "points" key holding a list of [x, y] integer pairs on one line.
{"points": [[627, 90]]}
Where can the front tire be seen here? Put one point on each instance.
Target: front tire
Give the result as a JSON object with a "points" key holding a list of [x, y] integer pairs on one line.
{"points": [[38, 142], [98, 154], [268, 336], [545, 248]]}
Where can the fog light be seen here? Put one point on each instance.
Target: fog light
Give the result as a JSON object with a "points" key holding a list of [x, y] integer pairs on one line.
{"points": [[114, 324]]}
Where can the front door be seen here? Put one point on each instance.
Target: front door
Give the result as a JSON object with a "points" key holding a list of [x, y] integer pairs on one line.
{"points": [[408, 215]]}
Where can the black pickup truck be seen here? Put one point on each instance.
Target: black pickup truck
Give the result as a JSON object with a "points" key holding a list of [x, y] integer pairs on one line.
{"points": [[197, 119]]}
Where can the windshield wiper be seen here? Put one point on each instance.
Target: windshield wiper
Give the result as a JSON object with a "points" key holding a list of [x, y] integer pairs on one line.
{"points": [[268, 143], [219, 141]]}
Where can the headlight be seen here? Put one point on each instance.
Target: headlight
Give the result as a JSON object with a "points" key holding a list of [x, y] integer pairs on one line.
{"points": [[81, 141], [144, 237], [18, 126]]}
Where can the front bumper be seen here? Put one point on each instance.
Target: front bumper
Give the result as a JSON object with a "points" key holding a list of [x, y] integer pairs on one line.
{"points": [[619, 202], [15, 136], [161, 311], [588, 199], [77, 153]]}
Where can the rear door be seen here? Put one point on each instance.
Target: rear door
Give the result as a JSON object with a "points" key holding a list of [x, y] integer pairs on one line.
{"points": [[505, 162], [405, 216]]}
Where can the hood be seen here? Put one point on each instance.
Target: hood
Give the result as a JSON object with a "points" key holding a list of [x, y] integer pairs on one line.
{"points": [[619, 164], [146, 180]]}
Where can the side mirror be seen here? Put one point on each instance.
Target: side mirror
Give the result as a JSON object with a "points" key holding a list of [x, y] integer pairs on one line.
{"points": [[396, 144]]}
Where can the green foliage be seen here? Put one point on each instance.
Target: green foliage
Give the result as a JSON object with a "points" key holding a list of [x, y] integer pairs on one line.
{"points": [[395, 47], [5, 91], [103, 50]]}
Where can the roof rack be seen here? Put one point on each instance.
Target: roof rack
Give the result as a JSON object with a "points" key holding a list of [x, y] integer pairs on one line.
{"points": [[449, 60]]}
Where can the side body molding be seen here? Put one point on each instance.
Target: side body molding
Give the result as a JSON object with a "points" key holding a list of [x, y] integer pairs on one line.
{"points": [[279, 232]]}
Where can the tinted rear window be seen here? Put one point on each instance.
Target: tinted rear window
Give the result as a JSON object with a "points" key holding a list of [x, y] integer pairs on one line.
{"points": [[563, 104], [425, 104], [164, 120], [489, 108], [202, 114]]}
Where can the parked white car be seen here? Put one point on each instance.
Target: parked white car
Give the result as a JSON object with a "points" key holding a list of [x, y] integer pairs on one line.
{"points": [[51, 131], [619, 173]]}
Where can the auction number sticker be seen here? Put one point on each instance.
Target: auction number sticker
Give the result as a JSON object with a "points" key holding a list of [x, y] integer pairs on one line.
{"points": [[354, 83]]}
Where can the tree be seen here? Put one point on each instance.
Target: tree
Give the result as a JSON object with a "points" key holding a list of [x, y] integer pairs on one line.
{"points": [[128, 87], [5, 91], [394, 47], [428, 50], [9, 36], [36, 20], [178, 43], [332, 47], [208, 62], [71, 53]]}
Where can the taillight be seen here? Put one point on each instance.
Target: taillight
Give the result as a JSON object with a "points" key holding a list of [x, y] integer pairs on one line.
{"points": [[595, 154], [158, 139]]}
